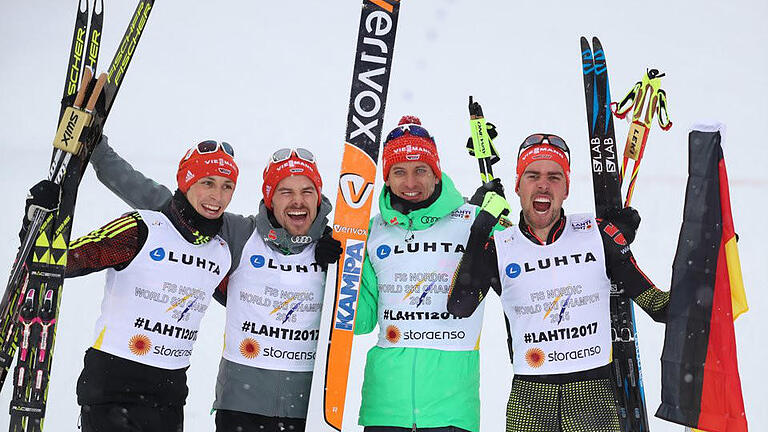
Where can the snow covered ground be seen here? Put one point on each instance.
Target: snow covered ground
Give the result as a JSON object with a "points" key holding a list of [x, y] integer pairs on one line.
{"points": [[262, 75]]}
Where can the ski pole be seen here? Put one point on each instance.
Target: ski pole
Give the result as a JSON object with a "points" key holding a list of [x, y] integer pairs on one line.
{"points": [[648, 98], [481, 144]]}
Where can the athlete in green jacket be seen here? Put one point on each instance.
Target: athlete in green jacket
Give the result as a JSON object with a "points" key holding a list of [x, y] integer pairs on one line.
{"points": [[423, 374]]}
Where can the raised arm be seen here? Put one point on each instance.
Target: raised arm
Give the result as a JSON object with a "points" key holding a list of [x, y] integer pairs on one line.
{"points": [[477, 273], [141, 192], [130, 185], [478, 270], [625, 273]]}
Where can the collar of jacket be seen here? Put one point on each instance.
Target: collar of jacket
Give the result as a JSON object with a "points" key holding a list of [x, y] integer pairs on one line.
{"points": [[449, 200], [194, 227], [277, 238]]}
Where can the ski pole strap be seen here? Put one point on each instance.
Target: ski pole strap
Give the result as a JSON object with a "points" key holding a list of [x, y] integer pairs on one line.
{"points": [[481, 142], [482, 147]]}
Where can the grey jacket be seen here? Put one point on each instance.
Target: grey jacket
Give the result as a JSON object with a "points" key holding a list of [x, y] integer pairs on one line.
{"points": [[266, 392]]}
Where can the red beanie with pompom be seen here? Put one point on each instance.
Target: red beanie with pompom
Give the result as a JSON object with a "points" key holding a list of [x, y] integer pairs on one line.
{"points": [[410, 142]]}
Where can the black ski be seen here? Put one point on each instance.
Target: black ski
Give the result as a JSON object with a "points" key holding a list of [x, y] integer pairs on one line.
{"points": [[11, 300], [625, 368], [30, 304]]}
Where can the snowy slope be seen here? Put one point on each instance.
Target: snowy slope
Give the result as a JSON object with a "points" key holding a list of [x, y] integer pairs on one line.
{"points": [[263, 75]]}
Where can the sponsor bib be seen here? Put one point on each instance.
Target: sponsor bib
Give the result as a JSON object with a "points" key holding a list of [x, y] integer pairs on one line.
{"points": [[152, 309], [556, 298], [414, 281], [274, 304]]}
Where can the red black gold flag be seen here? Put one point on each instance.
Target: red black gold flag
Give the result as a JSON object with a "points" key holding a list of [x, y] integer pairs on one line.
{"points": [[701, 387]]}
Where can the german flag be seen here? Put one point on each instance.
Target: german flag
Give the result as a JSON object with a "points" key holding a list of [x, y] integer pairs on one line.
{"points": [[701, 387]]}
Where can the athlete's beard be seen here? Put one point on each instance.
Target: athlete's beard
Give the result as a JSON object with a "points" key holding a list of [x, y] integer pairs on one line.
{"points": [[530, 214]]}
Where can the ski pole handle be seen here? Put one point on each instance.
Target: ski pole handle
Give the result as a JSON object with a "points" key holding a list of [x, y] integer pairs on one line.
{"points": [[481, 145]]}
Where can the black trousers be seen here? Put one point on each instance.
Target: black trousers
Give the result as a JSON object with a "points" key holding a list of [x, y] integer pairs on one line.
{"points": [[236, 421], [580, 406], [400, 429], [131, 418]]}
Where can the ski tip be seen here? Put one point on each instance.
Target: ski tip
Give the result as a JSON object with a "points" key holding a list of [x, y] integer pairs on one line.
{"points": [[586, 50], [596, 43]]}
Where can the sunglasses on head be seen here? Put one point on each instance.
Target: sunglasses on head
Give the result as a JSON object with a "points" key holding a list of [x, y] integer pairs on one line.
{"points": [[284, 154], [414, 130], [210, 146], [537, 139]]}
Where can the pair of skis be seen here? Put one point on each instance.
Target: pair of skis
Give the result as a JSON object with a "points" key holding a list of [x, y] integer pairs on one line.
{"points": [[30, 305], [625, 367]]}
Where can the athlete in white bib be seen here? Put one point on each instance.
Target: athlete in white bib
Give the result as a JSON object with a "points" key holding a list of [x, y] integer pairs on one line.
{"points": [[553, 273], [423, 374], [162, 270], [273, 292]]}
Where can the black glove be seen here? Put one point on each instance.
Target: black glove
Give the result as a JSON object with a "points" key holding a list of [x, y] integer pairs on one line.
{"points": [[328, 249], [626, 219], [491, 186], [44, 196]]}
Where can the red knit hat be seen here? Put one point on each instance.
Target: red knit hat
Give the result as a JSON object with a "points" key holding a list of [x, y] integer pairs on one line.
{"points": [[297, 162], [543, 152], [207, 158], [409, 142]]}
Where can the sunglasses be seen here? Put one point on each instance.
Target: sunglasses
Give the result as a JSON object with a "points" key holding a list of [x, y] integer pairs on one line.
{"points": [[284, 154], [537, 139], [210, 146], [414, 130]]}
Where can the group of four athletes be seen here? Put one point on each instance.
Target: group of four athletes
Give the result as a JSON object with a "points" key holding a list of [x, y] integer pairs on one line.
{"points": [[431, 257]]}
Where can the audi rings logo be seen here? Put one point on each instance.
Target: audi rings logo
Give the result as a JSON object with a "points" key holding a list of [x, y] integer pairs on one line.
{"points": [[301, 239], [355, 190]]}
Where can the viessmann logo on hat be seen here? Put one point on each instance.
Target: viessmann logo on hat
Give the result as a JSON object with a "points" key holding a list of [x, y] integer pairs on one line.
{"points": [[294, 165], [543, 152], [219, 161], [411, 150]]}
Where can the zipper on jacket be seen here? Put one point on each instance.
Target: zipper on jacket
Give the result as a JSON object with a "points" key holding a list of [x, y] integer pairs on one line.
{"points": [[409, 234]]}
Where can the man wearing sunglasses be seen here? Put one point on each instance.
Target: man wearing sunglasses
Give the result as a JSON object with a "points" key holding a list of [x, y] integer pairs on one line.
{"points": [[274, 291], [423, 374], [553, 274], [163, 268]]}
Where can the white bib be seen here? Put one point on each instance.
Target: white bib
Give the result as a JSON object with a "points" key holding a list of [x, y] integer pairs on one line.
{"points": [[152, 309], [274, 304], [556, 298], [414, 281]]}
